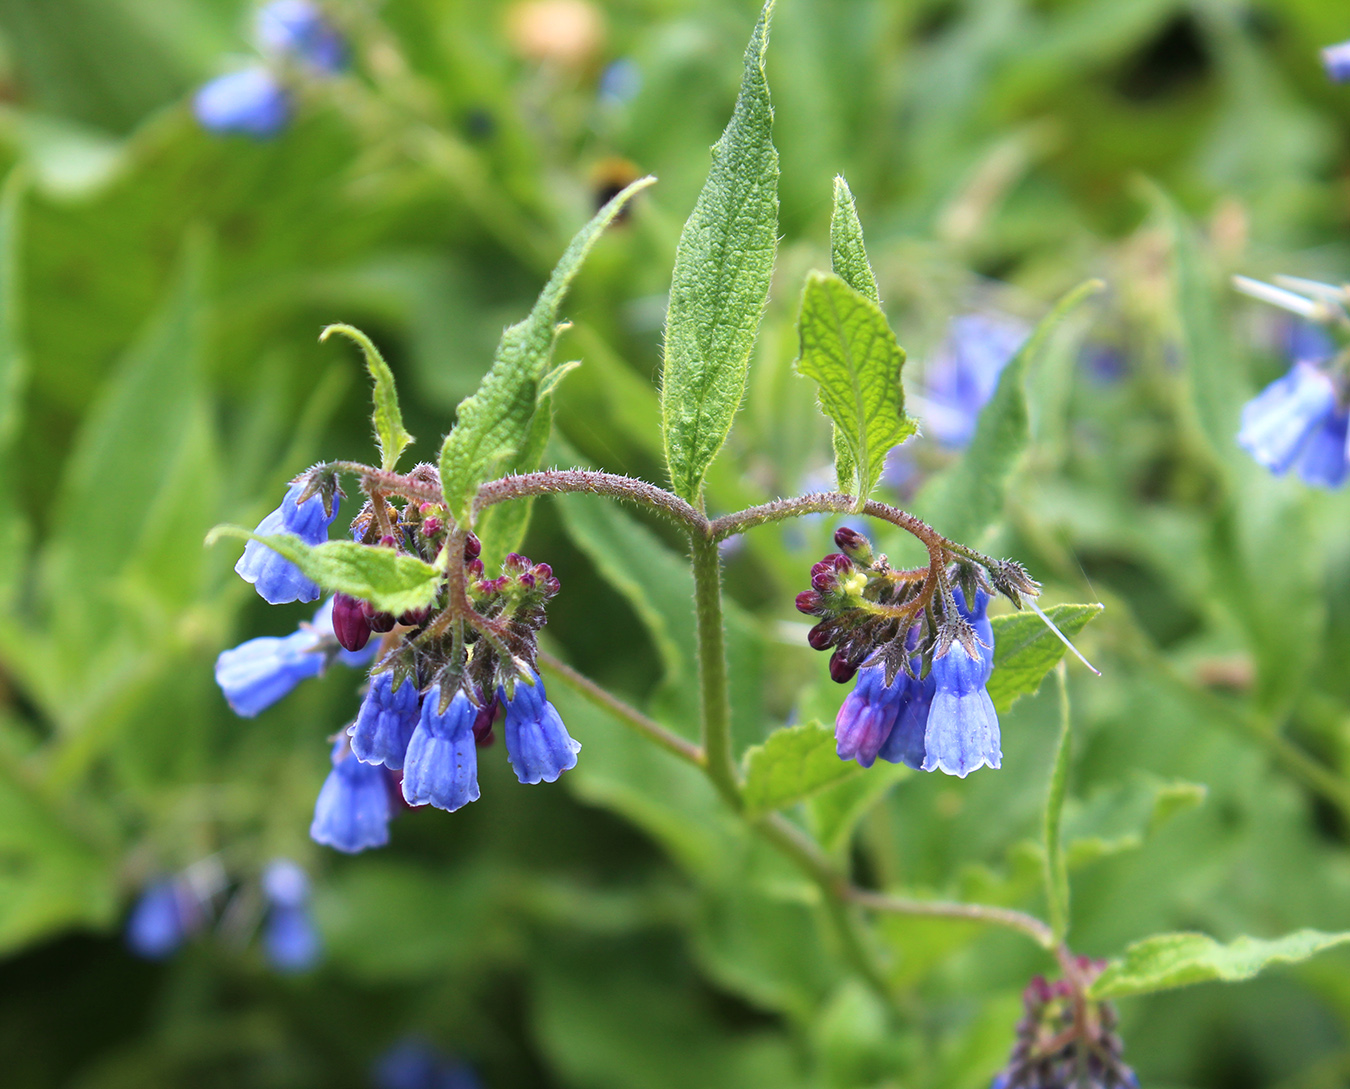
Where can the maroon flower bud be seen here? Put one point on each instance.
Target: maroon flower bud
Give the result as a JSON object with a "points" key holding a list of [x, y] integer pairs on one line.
{"points": [[386, 541], [823, 582], [349, 622], [808, 602], [432, 527], [415, 618], [482, 723], [378, 621], [853, 544], [515, 563], [543, 572], [841, 669], [474, 569], [821, 637], [527, 580], [552, 586], [841, 563], [473, 547]]}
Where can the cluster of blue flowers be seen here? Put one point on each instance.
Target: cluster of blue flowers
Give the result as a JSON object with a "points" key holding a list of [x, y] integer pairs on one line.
{"points": [[920, 697], [1302, 419], [415, 739], [171, 910], [295, 39]]}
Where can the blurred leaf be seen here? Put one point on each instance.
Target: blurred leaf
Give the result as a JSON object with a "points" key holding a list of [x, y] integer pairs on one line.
{"points": [[1056, 873], [1165, 961], [847, 346], [723, 266], [494, 424], [1121, 817], [393, 439], [793, 764], [394, 582], [13, 379], [964, 501], [1025, 650], [836, 810]]}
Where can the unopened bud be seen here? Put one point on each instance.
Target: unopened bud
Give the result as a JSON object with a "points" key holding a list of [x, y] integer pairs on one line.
{"points": [[808, 602], [853, 544], [841, 669], [821, 637], [378, 621], [432, 527], [482, 723], [473, 547], [415, 618], [350, 624], [474, 569]]}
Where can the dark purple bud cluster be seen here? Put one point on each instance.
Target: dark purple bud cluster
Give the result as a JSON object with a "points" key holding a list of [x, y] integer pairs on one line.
{"points": [[1065, 1039]]}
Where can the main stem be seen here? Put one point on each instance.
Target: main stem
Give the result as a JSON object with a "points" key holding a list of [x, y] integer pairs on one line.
{"points": [[712, 670]]}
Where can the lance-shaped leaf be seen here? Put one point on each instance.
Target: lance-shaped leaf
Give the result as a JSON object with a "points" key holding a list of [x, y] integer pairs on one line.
{"points": [[493, 425], [393, 582], [1165, 961], [388, 420], [723, 265], [849, 349], [1025, 650], [848, 255]]}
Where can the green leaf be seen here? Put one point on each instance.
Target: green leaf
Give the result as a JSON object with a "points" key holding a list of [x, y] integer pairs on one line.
{"points": [[1165, 961], [1025, 650], [501, 528], [1121, 817], [1056, 873], [836, 810], [394, 582], [967, 499], [792, 765], [387, 418], [493, 425], [849, 349], [848, 255], [723, 266]]}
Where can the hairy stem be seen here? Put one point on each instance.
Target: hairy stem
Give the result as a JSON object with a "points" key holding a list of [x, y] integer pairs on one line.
{"points": [[712, 669], [1029, 925], [626, 488]]}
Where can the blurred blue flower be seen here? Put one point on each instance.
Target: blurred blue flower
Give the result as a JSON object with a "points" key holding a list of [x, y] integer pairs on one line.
{"points": [[386, 721], [962, 733], [299, 29], [415, 1064], [537, 742], [285, 884], [441, 764], [355, 804], [290, 939], [963, 374], [1336, 60], [257, 673], [163, 917], [276, 579], [620, 82], [251, 102], [1298, 422]]}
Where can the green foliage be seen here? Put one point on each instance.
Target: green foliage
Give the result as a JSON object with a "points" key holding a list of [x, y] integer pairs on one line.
{"points": [[392, 581], [849, 349], [494, 426], [792, 765], [848, 255], [1025, 650], [1056, 871], [723, 266], [390, 433], [1165, 961]]}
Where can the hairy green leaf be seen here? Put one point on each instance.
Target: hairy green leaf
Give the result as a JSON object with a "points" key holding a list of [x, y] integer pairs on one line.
{"points": [[387, 418], [848, 255], [793, 764], [501, 527], [849, 349], [837, 809], [493, 425], [1165, 961], [394, 582], [723, 266], [1025, 650], [967, 499]]}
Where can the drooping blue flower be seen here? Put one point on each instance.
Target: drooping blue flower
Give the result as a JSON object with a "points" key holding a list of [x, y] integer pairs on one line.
{"points": [[163, 917], [962, 732], [386, 721], [537, 742], [354, 806], [440, 767], [904, 745], [299, 29], [276, 579], [1295, 422], [285, 884], [1336, 60], [963, 374], [250, 102], [868, 714], [290, 939], [257, 673]]}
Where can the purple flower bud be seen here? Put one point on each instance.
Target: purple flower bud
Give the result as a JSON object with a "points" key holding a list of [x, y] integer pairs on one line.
{"points": [[474, 569], [473, 547], [323, 625], [297, 28], [537, 743], [432, 527], [808, 602], [853, 544], [482, 723], [165, 915], [441, 764], [350, 625], [276, 579], [841, 669], [386, 721], [250, 102], [415, 618], [822, 636], [354, 806]]}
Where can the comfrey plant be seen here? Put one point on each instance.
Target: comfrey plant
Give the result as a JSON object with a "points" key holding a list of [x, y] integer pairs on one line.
{"points": [[428, 578]]}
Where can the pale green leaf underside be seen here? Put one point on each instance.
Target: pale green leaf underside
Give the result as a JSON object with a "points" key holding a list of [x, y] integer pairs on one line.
{"points": [[792, 764], [723, 266], [848, 255], [1165, 961], [388, 420], [493, 425], [1025, 650], [393, 582], [848, 348]]}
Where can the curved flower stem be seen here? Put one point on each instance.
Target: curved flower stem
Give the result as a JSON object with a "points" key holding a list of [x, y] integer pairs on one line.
{"points": [[712, 669], [629, 716], [825, 503], [1029, 925], [626, 488]]}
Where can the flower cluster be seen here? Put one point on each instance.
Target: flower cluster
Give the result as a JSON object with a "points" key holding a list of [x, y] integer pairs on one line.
{"points": [[921, 666], [295, 38], [437, 687], [1301, 420], [1065, 1039]]}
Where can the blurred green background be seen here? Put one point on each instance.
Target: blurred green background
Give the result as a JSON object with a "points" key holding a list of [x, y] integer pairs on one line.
{"points": [[165, 288]]}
